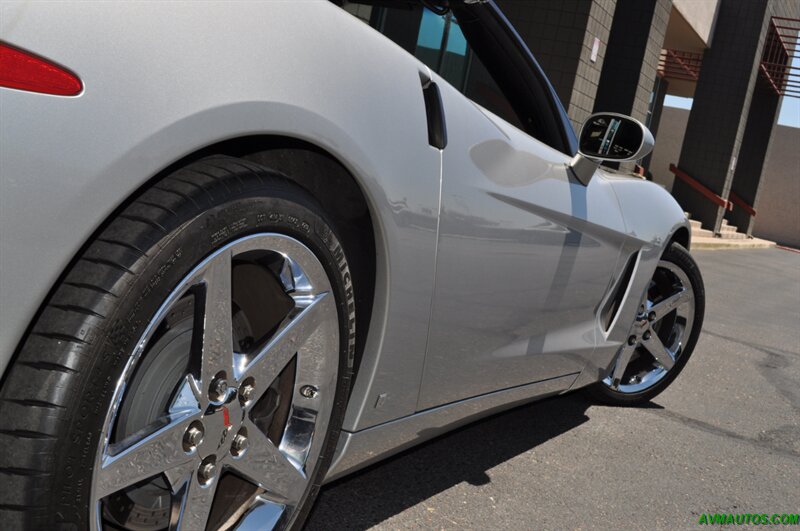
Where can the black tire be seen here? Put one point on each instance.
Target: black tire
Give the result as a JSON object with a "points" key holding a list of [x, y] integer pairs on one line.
{"points": [[600, 392], [55, 394]]}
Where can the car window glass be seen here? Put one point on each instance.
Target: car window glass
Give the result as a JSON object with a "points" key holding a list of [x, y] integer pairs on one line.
{"points": [[451, 57], [437, 41]]}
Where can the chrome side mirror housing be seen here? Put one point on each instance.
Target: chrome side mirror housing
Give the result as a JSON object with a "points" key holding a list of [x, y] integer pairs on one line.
{"points": [[609, 137]]}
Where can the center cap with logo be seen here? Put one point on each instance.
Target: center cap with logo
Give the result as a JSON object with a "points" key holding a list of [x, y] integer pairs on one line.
{"points": [[219, 432], [221, 423]]}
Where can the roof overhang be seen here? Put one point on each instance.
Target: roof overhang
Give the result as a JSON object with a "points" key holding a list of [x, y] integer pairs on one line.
{"points": [[689, 31]]}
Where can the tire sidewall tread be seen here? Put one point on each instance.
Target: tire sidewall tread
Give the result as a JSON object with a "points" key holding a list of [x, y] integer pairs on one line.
{"points": [[680, 256], [172, 233]]}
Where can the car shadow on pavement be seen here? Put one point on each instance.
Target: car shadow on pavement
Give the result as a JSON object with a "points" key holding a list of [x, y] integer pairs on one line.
{"points": [[385, 489]]}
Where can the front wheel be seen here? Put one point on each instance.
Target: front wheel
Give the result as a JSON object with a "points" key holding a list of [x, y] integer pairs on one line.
{"points": [[662, 336], [191, 371]]}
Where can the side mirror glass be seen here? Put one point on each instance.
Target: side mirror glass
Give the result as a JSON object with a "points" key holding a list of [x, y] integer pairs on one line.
{"points": [[614, 137], [610, 137]]}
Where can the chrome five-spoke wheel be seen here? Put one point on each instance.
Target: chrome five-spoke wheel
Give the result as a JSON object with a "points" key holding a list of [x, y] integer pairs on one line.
{"points": [[220, 412], [662, 335], [228, 387]]}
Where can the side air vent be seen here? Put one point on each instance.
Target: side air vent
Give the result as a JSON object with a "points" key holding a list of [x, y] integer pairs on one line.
{"points": [[612, 305], [434, 111]]}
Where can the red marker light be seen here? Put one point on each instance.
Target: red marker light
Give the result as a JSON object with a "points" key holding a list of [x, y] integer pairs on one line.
{"points": [[24, 71]]}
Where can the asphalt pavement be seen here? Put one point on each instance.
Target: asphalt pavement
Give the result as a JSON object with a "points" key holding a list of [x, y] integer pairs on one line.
{"points": [[724, 438]]}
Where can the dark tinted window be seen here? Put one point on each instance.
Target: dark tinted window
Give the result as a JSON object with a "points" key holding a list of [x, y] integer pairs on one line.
{"points": [[437, 41]]}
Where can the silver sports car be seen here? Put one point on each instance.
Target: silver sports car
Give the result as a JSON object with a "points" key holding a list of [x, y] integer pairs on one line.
{"points": [[248, 249]]}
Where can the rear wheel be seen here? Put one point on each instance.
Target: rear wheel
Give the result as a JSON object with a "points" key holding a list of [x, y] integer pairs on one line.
{"points": [[663, 334], [191, 370]]}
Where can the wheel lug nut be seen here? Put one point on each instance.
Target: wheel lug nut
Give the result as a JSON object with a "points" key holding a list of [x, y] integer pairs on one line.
{"points": [[632, 340], [207, 471], [646, 335], [238, 445], [218, 390], [247, 392], [651, 316], [193, 437], [308, 391]]}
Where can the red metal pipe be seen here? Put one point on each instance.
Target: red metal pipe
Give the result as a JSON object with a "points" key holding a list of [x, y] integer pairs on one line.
{"points": [[742, 204], [698, 186]]}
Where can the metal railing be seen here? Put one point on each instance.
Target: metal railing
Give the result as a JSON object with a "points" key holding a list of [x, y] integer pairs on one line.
{"points": [[781, 48], [679, 64], [701, 188]]}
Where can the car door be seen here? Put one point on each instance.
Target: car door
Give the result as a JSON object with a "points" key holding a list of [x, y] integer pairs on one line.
{"points": [[525, 256]]}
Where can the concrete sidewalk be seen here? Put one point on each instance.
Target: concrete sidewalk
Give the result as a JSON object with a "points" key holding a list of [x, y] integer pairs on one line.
{"points": [[724, 438]]}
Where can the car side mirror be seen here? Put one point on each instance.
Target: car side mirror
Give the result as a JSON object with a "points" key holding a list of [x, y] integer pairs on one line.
{"points": [[609, 137]]}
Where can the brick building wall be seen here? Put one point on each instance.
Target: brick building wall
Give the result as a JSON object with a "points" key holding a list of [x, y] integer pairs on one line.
{"points": [[561, 33], [716, 124], [721, 112], [648, 73], [630, 67], [778, 217], [587, 77]]}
